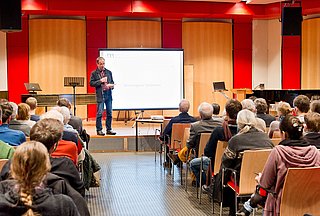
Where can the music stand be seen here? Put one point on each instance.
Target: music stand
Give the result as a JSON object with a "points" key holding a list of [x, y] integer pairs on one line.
{"points": [[74, 82], [32, 88], [220, 87]]}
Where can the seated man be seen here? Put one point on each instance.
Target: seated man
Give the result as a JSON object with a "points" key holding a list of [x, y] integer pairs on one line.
{"points": [[262, 108], [7, 135], [183, 117], [312, 129], [223, 133], [32, 102], [301, 105], [49, 134], [205, 125]]}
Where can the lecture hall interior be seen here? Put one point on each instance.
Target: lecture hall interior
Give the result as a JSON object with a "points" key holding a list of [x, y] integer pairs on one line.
{"points": [[258, 48]]}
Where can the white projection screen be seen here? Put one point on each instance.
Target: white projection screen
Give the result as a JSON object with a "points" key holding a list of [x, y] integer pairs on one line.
{"points": [[145, 79]]}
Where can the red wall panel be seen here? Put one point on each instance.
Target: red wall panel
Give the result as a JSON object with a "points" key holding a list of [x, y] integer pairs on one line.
{"points": [[242, 53], [96, 38], [171, 33], [18, 62], [291, 62]]}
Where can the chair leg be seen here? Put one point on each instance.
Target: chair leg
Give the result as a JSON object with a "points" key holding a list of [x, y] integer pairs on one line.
{"points": [[200, 183], [186, 177], [181, 180], [235, 199]]}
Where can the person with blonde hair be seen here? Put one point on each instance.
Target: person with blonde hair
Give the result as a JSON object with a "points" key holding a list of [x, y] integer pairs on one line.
{"points": [[33, 103], [283, 110], [27, 194]]}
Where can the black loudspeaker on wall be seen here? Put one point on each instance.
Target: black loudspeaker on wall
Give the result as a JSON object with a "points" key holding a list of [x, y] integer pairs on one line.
{"points": [[10, 15], [291, 20]]}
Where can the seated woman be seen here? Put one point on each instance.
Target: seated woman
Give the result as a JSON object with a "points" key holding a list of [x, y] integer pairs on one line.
{"points": [[293, 151], [22, 121], [248, 138], [283, 109], [26, 194]]}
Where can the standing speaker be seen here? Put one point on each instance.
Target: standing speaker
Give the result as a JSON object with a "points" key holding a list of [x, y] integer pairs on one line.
{"points": [[291, 20], [10, 15]]}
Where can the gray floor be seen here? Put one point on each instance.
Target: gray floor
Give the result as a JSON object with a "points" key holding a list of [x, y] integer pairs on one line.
{"points": [[134, 184]]}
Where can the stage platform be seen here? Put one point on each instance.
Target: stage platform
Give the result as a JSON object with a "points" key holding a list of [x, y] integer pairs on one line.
{"points": [[125, 139]]}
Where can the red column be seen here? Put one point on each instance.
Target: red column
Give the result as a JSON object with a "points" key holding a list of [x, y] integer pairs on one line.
{"points": [[171, 33], [291, 62], [18, 61], [242, 53], [96, 38]]}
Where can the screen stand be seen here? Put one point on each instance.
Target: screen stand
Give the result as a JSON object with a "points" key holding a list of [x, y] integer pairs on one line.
{"points": [[139, 114], [74, 82]]}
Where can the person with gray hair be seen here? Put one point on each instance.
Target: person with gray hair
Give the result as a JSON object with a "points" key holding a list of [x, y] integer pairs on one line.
{"points": [[248, 138], [262, 109], [183, 117], [205, 125], [249, 105]]}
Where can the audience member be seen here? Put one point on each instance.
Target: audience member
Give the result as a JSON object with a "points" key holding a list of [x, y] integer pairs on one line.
{"points": [[262, 108], [292, 152], [314, 97], [283, 109], [216, 112], [183, 117], [249, 105], [22, 121], [6, 151], [205, 125], [301, 106], [223, 133], [49, 135], [64, 148], [26, 194], [74, 121], [7, 135], [315, 106], [32, 102], [248, 138], [312, 129]]}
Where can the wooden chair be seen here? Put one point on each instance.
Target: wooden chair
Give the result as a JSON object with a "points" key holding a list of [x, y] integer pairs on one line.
{"points": [[204, 137], [162, 143], [186, 136], [253, 161], [203, 142], [176, 139], [276, 141], [2, 163], [221, 146], [301, 192]]}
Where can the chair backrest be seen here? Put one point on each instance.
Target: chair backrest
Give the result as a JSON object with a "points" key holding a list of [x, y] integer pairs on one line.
{"points": [[276, 141], [276, 134], [165, 123], [2, 163], [185, 138], [177, 134], [253, 161], [301, 192], [221, 146], [204, 138]]}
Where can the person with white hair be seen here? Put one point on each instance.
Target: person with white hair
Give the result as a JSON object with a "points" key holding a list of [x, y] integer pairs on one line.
{"points": [[249, 105], [248, 138], [205, 125]]}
